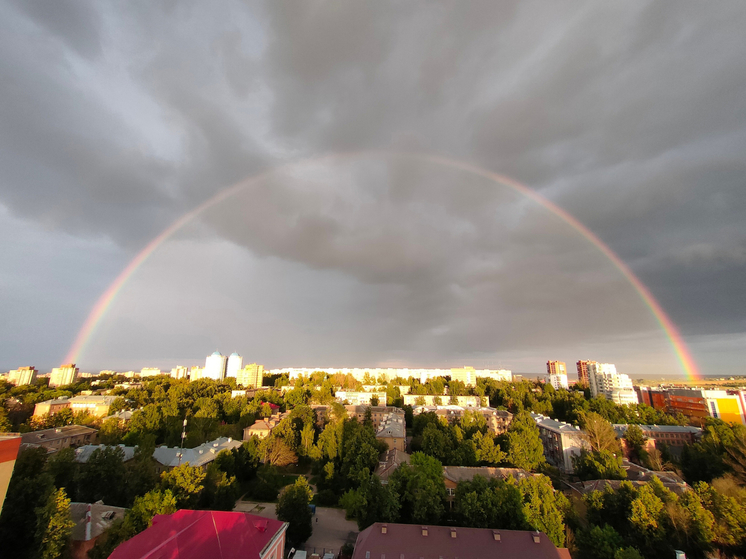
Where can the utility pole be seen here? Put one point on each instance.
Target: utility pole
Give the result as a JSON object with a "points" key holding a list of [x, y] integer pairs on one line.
{"points": [[183, 435]]}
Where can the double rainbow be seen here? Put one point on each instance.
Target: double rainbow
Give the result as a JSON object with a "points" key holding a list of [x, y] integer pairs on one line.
{"points": [[688, 365]]}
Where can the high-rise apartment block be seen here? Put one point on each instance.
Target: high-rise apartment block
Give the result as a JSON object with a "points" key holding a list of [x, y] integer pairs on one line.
{"points": [[607, 383], [235, 364], [22, 376], [179, 372], [63, 375], [557, 374], [251, 375], [215, 366], [583, 372]]}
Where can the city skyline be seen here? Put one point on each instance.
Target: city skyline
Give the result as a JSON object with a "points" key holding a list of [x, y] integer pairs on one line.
{"points": [[332, 199]]}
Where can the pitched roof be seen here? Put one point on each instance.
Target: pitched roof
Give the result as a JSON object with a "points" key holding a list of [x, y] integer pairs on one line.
{"points": [[198, 456], [413, 541], [195, 534], [37, 437], [458, 474], [83, 453]]}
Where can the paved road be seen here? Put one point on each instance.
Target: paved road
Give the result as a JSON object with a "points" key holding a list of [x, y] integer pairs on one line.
{"points": [[330, 529]]}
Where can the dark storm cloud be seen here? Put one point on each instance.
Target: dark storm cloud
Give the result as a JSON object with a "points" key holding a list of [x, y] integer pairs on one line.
{"points": [[116, 119]]}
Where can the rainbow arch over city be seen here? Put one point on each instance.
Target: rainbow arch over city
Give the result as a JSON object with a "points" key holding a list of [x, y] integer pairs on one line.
{"points": [[686, 361]]}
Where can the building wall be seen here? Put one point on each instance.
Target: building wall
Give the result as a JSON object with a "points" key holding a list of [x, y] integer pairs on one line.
{"points": [[466, 401], [722, 405], [235, 364], [276, 549], [9, 445], [395, 443], [215, 366], [22, 376], [64, 375], [250, 375]]}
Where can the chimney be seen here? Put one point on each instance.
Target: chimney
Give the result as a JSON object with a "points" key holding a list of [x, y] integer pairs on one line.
{"points": [[424, 530], [496, 536], [384, 528], [537, 537], [88, 523], [453, 533]]}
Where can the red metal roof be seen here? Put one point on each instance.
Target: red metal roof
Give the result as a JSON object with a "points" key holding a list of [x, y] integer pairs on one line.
{"points": [[413, 541], [196, 534]]}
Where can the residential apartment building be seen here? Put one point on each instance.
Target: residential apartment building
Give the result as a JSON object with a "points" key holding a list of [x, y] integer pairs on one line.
{"points": [[235, 364], [215, 366], [440, 400], [199, 456], [393, 431], [250, 376], [582, 367], [469, 375], [63, 375], [498, 421], [391, 460], [423, 375], [22, 376], [91, 520], [561, 441], [360, 398], [150, 372], [97, 406], [557, 374], [453, 475], [671, 435], [395, 541], [378, 414], [606, 382], [179, 372], [59, 437]]}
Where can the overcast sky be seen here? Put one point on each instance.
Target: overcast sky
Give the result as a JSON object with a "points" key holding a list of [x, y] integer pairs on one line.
{"points": [[116, 119]]}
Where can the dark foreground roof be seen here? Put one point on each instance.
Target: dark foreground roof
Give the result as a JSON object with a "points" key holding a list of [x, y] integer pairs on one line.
{"points": [[413, 541]]}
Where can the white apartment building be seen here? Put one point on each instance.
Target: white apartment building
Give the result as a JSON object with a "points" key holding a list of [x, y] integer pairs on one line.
{"points": [[558, 381], [250, 376], [561, 441], [235, 364], [468, 375], [63, 375], [215, 366], [22, 376], [606, 382], [149, 372], [360, 398], [179, 372]]}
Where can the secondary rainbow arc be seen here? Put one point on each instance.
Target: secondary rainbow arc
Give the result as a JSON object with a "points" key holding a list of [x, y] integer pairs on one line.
{"points": [[686, 361]]}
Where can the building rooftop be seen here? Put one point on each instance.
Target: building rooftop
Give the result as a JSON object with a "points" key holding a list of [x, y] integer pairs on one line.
{"points": [[197, 456], [83, 453], [458, 474], [393, 426], [389, 461], [102, 517], [413, 541], [46, 435], [554, 425], [195, 534], [621, 429]]}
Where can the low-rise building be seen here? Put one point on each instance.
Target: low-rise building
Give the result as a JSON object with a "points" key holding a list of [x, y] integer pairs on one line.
{"points": [[561, 441], [415, 540], [263, 427], [674, 436], [60, 437], [83, 453], [393, 431], [97, 406], [453, 475], [360, 398], [196, 534], [389, 461], [199, 456], [91, 520], [498, 421], [377, 413]]}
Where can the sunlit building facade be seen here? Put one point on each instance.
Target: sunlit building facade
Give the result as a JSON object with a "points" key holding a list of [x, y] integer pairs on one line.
{"points": [[215, 366], [250, 376], [607, 383], [557, 374], [63, 375], [22, 376], [235, 364]]}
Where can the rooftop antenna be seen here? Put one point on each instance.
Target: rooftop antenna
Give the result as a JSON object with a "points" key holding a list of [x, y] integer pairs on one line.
{"points": [[183, 435]]}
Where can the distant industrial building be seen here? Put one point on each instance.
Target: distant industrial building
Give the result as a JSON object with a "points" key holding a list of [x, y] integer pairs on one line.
{"points": [[22, 376], [63, 375]]}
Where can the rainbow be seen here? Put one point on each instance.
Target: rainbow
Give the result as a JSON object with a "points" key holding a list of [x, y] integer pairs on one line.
{"points": [[688, 365]]}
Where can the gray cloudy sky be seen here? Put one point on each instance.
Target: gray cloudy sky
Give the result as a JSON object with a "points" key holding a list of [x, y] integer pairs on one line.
{"points": [[115, 119]]}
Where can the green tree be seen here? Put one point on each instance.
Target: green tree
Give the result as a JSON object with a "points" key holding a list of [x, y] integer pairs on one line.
{"points": [[598, 465], [599, 433], [63, 469], [185, 483], [421, 489], [635, 439], [103, 477], [292, 507], [598, 542], [54, 526], [543, 507], [371, 502], [374, 400], [523, 442]]}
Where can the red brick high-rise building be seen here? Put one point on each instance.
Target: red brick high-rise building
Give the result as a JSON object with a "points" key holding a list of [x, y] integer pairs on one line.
{"points": [[583, 372]]}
